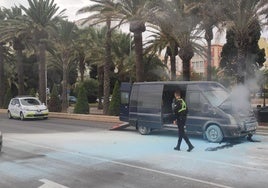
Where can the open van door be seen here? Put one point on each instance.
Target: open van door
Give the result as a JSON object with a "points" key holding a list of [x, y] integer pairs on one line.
{"points": [[196, 103], [125, 90]]}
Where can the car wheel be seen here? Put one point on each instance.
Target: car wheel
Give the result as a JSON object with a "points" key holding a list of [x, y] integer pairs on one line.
{"points": [[214, 134], [21, 116], [9, 115], [144, 130]]}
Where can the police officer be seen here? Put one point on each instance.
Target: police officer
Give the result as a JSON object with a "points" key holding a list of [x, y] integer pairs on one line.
{"points": [[180, 114]]}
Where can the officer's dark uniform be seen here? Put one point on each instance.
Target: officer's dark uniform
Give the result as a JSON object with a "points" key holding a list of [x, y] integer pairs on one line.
{"points": [[180, 114]]}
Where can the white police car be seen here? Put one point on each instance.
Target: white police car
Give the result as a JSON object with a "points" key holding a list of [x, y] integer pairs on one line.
{"points": [[27, 108]]}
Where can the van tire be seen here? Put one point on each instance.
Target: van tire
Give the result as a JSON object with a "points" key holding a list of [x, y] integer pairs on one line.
{"points": [[214, 134], [144, 130]]}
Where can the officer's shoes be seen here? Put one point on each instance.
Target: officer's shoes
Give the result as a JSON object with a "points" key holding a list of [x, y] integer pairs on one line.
{"points": [[177, 148], [190, 148]]}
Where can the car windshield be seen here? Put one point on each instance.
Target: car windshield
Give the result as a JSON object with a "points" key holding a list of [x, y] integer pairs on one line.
{"points": [[30, 102], [216, 97]]}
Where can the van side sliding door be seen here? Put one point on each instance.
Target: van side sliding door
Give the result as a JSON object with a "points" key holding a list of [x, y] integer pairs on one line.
{"points": [[149, 105], [196, 117]]}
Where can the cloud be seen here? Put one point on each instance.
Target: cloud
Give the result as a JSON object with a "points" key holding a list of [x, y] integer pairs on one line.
{"points": [[71, 6], [11, 3]]}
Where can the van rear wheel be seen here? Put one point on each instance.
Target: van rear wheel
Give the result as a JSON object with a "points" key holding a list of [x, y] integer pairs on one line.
{"points": [[214, 134], [144, 130]]}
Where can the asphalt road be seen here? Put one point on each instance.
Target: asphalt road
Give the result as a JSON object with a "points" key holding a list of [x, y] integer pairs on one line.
{"points": [[60, 153]]}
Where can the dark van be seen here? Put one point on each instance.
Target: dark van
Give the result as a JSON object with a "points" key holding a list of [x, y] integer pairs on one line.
{"points": [[211, 112]]}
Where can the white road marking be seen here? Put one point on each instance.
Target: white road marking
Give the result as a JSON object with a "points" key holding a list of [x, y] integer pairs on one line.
{"points": [[50, 184], [129, 165]]}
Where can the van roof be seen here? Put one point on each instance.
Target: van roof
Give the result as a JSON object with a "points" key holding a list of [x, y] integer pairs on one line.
{"points": [[175, 82], [197, 85]]}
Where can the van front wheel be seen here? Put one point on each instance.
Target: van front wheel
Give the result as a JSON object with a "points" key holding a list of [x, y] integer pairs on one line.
{"points": [[144, 130], [214, 134]]}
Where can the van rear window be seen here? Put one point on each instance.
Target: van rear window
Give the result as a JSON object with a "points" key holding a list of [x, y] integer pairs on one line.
{"points": [[150, 96], [124, 97]]}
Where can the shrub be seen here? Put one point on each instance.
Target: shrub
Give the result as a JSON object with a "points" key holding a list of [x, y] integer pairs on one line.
{"points": [[8, 97], [81, 107], [114, 108], [91, 88], [54, 103], [32, 92]]}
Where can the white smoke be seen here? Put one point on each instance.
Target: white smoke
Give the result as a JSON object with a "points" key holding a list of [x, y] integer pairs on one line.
{"points": [[241, 94], [240, 97]]}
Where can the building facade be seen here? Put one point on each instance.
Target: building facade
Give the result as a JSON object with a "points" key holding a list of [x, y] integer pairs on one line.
{"points": [[199, 63], [263, 43]]}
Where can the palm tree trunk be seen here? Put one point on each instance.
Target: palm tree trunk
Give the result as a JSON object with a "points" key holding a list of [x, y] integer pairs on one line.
{"points": [[20, 73], [64, 103], [186, 55], [139, 54], [209, 68], [107, 67], [186, 70], [82, 68], [173, 66], [100, 87], [1, 75], [42, 71], [174, 53], [209, 37], [241, 60]]}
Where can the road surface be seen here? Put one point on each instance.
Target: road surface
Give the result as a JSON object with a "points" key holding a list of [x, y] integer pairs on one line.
{"points": [[60, 153]]}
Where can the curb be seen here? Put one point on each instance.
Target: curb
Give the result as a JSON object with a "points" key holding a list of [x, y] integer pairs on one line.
{"points": [[101, 118]]}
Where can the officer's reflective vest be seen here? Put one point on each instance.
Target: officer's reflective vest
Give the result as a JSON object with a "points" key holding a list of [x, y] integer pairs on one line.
{"points": [[183, 106]]}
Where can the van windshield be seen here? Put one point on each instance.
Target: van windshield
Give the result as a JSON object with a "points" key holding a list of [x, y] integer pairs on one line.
{"points": [[216, 97]]}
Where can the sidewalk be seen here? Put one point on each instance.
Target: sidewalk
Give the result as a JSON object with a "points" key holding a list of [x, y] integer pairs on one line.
{"points": [[89, 117]]}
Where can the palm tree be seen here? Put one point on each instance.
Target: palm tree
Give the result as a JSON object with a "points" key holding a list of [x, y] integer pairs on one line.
{"points": [[136, 13], [103, 11], [1, 74], [241, 18], [94, 53], [209, 12], [12, 30], [42, 19], [123, 61], [64, 54], [180, 32], [80, 51], [2, 17], [161, 39]]}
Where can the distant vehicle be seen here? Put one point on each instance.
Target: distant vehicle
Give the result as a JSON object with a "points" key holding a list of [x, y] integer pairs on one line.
{"points": [[262, 113], [1, 141], [211, 110], [97, 100], [72, 99], [25, 107], [259, 94]]}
